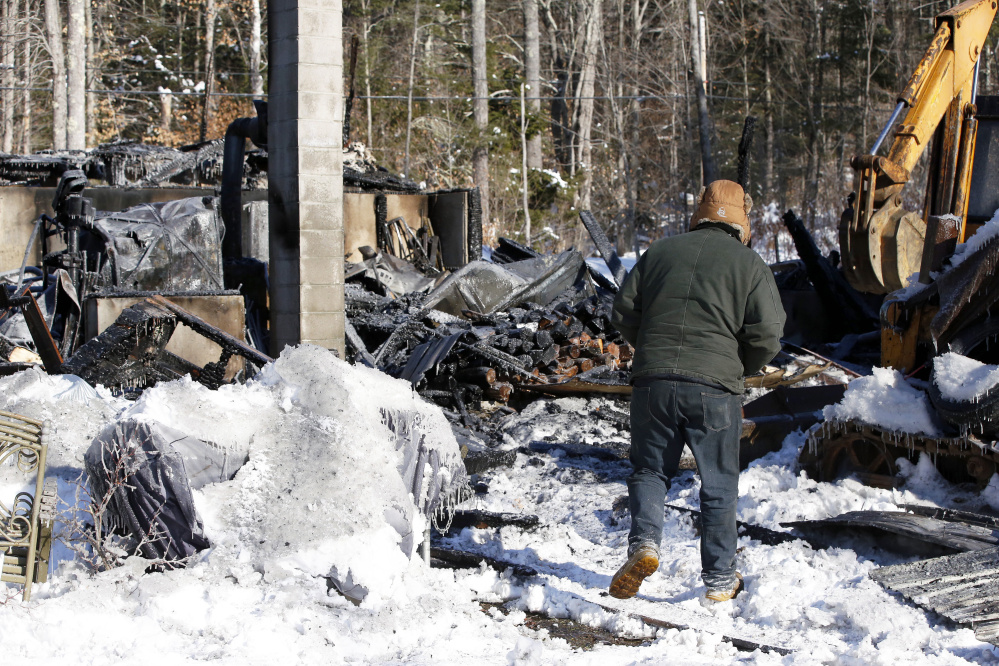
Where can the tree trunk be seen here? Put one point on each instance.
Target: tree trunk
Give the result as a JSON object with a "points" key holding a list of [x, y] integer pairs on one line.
{"points": [[412, 80], [768, 157], [91, 79], [815, 140], [166, 116], [53, 33], [634, 165], [480, 107], [365, 29], [211, 13], [585, 99], [532, 66], [523, 168], [8, 16], [708, 170], [76, 103], [26, 110], [256, 77], [197, 41]]}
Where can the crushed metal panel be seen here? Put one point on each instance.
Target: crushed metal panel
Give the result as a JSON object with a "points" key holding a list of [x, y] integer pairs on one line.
{"points": [[224, 311], [479, 286], [554, 274], [963, 588], [172, 246], [426, 356], [21, 206]]}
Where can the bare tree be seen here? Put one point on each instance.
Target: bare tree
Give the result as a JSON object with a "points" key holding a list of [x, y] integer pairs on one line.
{"points": [[76, 103], [412, 80], [585, 100], [256, 77], [92, 78], [28, 80], [480, 107], [708, 170], [365, 33], [8, 18], [532, 73], [211, 14], [53, 34]]}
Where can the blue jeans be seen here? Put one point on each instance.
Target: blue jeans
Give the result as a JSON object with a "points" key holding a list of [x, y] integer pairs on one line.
{"points": [[664, 416]]}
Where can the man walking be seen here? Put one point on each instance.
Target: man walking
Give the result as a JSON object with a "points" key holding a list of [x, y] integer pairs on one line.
{"points": [[702, 311]]}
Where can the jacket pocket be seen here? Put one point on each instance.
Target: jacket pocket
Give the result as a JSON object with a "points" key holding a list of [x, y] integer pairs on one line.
{"points": [[715, 408], [640, 408]]}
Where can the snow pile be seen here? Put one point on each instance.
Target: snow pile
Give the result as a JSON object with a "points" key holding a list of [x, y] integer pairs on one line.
{"points": [[885, 399], [322, 488], [960, 378], [991, 492], [75, 411], [260, 594]]}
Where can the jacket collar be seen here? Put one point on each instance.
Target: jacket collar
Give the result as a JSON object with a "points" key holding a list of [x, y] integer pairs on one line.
{"points": [[721, 226]]}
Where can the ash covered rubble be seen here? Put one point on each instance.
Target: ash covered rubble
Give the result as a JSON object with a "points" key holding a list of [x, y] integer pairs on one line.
{"points": [[493, 337], [490, 338]]}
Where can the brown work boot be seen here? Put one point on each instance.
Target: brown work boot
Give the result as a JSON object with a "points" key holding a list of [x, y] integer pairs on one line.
{"points": [[640, 565], [724, 594]]}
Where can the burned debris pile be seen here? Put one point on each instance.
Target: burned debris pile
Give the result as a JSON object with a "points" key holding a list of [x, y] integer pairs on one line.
{"points": [[491, 332], [132, 164]]}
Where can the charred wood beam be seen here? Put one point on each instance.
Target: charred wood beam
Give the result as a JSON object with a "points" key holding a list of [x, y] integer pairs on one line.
{"points": [[577, 450], [745, 146], [477, 462], [761, 534], [481, 376], [482, 519], [228, 343], [446, 558], [502, 359], [40, 333], [844, 304]]}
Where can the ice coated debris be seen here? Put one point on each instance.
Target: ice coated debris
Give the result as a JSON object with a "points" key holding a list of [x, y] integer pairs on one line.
{"points": [[885, 399], [986, 233], [322, 487], [960, 378]]}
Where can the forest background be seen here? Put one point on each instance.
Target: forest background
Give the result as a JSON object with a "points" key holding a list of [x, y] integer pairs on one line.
{"points": [[596, 100]]}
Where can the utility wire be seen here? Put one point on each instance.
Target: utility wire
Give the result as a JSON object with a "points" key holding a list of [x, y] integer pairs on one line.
{"points": [[433, 98]]}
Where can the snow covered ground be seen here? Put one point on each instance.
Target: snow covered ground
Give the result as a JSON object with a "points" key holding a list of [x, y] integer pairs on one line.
{"points": [[259, 595]]}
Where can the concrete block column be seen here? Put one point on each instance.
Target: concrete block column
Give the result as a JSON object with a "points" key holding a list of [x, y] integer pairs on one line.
{"points": [[305, 173]]}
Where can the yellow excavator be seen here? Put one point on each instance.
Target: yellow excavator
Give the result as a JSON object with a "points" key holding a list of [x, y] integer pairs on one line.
{"points": [[934, 305], [883, 245], [881, 242]]}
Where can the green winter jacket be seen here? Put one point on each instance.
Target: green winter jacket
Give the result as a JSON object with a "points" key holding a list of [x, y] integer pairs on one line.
{"points": [[701, 305]]}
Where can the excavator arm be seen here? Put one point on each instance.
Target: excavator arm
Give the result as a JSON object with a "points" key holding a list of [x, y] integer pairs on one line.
{"points": [[881, 242]]}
